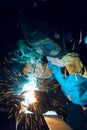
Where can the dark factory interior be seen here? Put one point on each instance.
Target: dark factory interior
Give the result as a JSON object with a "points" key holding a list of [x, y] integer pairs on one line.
{"points": [[43, 65]]}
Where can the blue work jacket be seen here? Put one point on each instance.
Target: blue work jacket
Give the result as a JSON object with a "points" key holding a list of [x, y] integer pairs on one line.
{"points": [[74, 86]]}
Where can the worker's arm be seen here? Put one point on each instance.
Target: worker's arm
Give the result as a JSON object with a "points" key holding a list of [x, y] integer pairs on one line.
{"points": [[73, 86]]}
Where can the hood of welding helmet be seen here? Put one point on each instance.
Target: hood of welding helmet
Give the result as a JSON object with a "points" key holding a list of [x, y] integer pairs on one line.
{"points": [[41, 33]]}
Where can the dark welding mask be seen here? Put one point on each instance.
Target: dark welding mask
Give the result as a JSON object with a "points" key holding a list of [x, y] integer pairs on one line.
{"points": [[40, 32]]}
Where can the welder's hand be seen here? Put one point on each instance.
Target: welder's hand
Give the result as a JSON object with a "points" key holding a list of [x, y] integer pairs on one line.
{"points": [[57, 72], [56, 61], [40, 71]]}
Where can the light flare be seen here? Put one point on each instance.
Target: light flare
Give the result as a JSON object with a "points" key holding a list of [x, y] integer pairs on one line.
{"points": [[29, 98], [28, 91]]}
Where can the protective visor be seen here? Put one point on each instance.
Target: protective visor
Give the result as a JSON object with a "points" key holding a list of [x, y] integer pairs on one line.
{"points": [[48, 46]]}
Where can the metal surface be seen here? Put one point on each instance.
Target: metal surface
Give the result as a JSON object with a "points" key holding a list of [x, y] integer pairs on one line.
{"points": [[42, 103], [57, 124]]}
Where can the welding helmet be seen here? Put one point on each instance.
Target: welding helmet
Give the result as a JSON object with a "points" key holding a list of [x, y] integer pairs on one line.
{"points": [[40, 30]]}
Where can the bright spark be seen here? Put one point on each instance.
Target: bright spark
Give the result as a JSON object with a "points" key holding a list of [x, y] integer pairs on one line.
{"points": [[28, 91], [29, 98]]}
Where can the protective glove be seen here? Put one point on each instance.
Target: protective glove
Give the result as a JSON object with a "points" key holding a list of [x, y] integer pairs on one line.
{"points": [[57, 72], [56, 65]]}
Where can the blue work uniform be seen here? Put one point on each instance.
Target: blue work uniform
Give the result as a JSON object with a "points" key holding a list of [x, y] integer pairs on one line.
{"points": [[73, 86]]}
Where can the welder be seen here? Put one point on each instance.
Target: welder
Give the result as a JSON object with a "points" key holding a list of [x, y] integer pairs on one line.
{"points": [[59, 48]]}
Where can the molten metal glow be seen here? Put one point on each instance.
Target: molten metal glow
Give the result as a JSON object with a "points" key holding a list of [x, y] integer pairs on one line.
{"points": [[28, 91], [29, 98]]}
